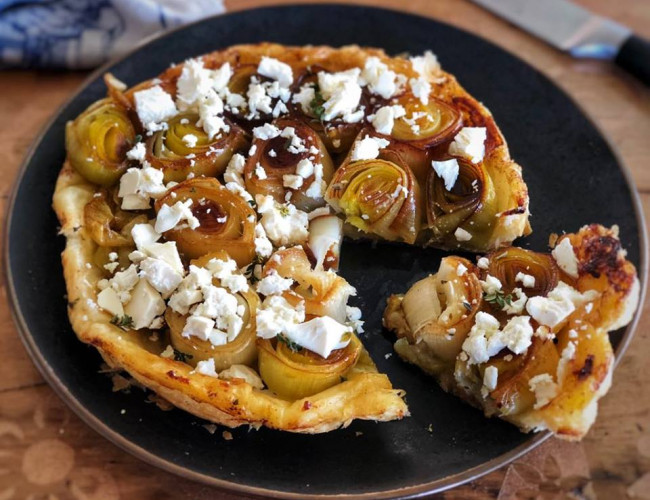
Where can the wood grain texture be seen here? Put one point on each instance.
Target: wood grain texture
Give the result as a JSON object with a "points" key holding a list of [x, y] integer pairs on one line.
{"points": [[47, 452]]}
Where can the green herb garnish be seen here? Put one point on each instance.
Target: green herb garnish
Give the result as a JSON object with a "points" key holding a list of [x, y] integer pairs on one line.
{"points": [[316, 104], [125, 321], [498, 298], [290, 343], [181, 356]]}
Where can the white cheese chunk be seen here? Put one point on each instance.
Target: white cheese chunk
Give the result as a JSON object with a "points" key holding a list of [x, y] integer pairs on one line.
{"points": [[163, 277], [154, 105], [207, 367], [421, 89], [527, 280], [284, 223], [544, 388], [485, 339], [266, 132], [448, 171], [167, 252], [138, 185], [193, 83], [292, 181], [170, 216], [490, 378], [199, 327], [483, 263], [137, 152], [109, 300], [305, 168], [368, 148], [516, 306], [342, 93], [558, 305], [277, 70], [461, 235], [566, 258], [305, 96], [273, 284], [145, 305], [235, 170], [321, 335], [325, 238], [122, 283], [190, 140], [353, 315], [263, 246], [469, 143], [425, 65], [384, 119], [491, 285], [379, 79], [276, 315]]}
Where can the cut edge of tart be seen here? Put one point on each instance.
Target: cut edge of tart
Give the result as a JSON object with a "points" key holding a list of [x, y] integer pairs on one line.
{"points": [[523, 335]]}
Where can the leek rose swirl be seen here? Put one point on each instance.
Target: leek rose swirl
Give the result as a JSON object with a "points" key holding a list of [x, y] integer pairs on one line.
{"points": [[471, 203], [378, 196], [226, 220], [324, 293], [295, 374], [434, 317], [508, 263], [239, 351], [185, 148], [426, 125], [97, 142], [298, 152], [107, 225], [512, 394]]}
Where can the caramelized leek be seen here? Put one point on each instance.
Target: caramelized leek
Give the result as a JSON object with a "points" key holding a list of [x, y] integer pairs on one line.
{"points": [[378, 196], [426, 125], [177, 158], [506, 264], [108, 225], [437, 313], [279, 157], [97, 142], [471, 205], [324, 293], [297, 374], [227, 221], [512, 394]]}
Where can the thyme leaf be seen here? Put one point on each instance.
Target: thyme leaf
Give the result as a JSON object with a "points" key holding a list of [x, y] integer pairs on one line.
{"points": [[125, 321], [316, 104], [290, 343], [181, 356], [498, 298]]}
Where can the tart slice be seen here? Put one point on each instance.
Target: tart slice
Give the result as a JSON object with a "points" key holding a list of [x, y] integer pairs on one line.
{"points": [[523, 335]]}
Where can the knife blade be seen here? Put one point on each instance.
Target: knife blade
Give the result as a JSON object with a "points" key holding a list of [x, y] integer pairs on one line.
{"points": [[577, 31]]}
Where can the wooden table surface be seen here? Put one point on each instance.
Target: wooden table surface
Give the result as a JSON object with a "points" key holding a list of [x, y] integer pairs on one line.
{"points": [[46, 450]]}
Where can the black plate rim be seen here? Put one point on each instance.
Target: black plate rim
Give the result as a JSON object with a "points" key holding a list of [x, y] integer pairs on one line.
{"points": [[143, 454]]}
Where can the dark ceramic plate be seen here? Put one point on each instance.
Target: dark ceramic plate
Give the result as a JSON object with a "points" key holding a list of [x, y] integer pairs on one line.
{"points": [[573, 176]]}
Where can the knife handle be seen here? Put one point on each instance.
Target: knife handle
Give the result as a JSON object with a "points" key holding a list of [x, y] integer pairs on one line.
{"points": [[634, 57]]}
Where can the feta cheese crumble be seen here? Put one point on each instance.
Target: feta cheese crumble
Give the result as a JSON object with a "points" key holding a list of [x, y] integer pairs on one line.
{"points": [[558, 304], [448, 171], [170, 216], [384, 119], [566, 258], [284, 224], [469, 143], [544, 388], [153, 106], [368, 148]]}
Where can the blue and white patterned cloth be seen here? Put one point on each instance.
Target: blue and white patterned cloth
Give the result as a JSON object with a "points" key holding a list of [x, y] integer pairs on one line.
{"points": [[85, 33]]}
